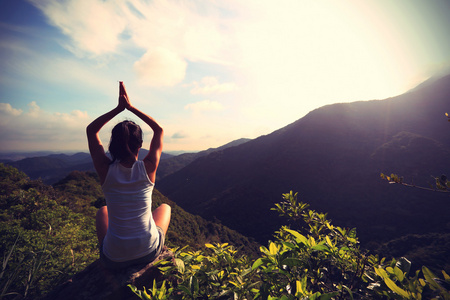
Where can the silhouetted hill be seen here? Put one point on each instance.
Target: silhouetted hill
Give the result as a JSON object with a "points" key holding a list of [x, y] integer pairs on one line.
{"points": [[169, 166], [333, 157], [53, 167]]}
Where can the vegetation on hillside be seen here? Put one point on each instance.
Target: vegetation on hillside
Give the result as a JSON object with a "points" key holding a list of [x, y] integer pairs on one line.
{"points": [[43, 240], [48, 233], [310, 259]]}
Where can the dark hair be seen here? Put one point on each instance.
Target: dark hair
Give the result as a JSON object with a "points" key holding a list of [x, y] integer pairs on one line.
{"points": [[126, 139]]}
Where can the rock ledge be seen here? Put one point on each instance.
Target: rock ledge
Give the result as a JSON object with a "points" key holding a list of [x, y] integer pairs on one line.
{"points": [[98, 282]]}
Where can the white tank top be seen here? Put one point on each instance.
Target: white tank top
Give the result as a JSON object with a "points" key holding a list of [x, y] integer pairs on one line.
{"points": [[131, 231]]}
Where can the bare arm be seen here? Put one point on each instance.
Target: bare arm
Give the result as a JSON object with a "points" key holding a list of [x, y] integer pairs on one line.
{"points": [[151, 161], [99, 158]]}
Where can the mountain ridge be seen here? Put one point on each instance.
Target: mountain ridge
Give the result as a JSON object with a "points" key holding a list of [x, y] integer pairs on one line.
{"points": [[327, 156], [52, 167]]}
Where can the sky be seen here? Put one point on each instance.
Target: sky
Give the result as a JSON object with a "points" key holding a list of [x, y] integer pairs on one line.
{"points": [[209, 72]]}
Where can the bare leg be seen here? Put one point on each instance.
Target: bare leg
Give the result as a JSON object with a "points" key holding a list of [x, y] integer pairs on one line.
{"points": [[161, 215], [102, 223]]}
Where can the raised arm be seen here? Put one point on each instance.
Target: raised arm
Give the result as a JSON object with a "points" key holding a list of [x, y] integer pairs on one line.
{"points": [[151, 161], [99, 158]]}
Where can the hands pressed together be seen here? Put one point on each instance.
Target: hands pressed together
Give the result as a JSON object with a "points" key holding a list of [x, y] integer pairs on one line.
{"points": [[124, 100]]}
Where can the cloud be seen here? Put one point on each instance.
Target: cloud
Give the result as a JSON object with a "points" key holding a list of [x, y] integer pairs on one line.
{"points": [[204, 106], [37, 129], [94, 26], [160, 67], [8, 110], [179, 135], [169, 32], [33, 109], [210, 85]]}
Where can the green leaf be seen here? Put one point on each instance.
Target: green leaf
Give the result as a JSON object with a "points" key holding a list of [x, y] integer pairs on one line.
{"points": [[273, 249], [395, 288], [381, 272], [299, 288], [298, 237], [446, 277], [210, 246], [315, 296], [257, 263], [193, 284], [399, 273], [320, 247], [422, 282], [185, 289], [352, 240], [180, 265], [429, 277], [348, 290], [289, 245], [264, 250]]}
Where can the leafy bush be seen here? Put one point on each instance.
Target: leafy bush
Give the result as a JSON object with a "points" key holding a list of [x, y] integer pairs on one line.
{"points": [[43, 242], [312, 259]]}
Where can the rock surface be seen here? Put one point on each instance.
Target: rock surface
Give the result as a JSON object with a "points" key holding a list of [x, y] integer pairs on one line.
{"points": [[98, 282]]}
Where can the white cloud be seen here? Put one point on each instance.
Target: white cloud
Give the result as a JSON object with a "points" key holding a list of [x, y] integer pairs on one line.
{"points": [[160, 67], [204, 106], [33, 109], [93, 25], [7, 109], [210, 85], [41, 130], [170, 32]]}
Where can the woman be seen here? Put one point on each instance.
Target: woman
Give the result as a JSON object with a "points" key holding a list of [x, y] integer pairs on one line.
{"points": [[127, 230]]}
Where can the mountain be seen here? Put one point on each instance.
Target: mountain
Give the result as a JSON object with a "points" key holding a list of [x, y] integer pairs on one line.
{"points": [[333, 158], [52, 167], [169, 166]]}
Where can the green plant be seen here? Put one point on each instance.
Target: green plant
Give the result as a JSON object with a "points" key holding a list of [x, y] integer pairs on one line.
{"points": [[315, 260], [441, 184], [161, 293], [43, 242]]}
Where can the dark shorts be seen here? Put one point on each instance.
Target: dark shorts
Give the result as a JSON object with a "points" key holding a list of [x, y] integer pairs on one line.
{"points": [[115, 265]]}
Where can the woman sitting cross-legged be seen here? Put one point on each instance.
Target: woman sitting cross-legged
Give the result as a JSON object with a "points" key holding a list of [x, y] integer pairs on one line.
{"points": [[128, 231]]}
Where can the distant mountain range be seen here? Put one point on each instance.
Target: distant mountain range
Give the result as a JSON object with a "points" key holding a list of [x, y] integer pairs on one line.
{"points": [[51, 167], [333, 158]]}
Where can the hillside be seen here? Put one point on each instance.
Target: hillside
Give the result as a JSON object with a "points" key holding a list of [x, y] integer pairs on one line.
{"points": [[170, 166], [56, 224], [52, 168], [333, 157]]}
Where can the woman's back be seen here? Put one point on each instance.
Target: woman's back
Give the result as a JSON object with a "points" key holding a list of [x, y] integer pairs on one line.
{"points": [[132, 231]]}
